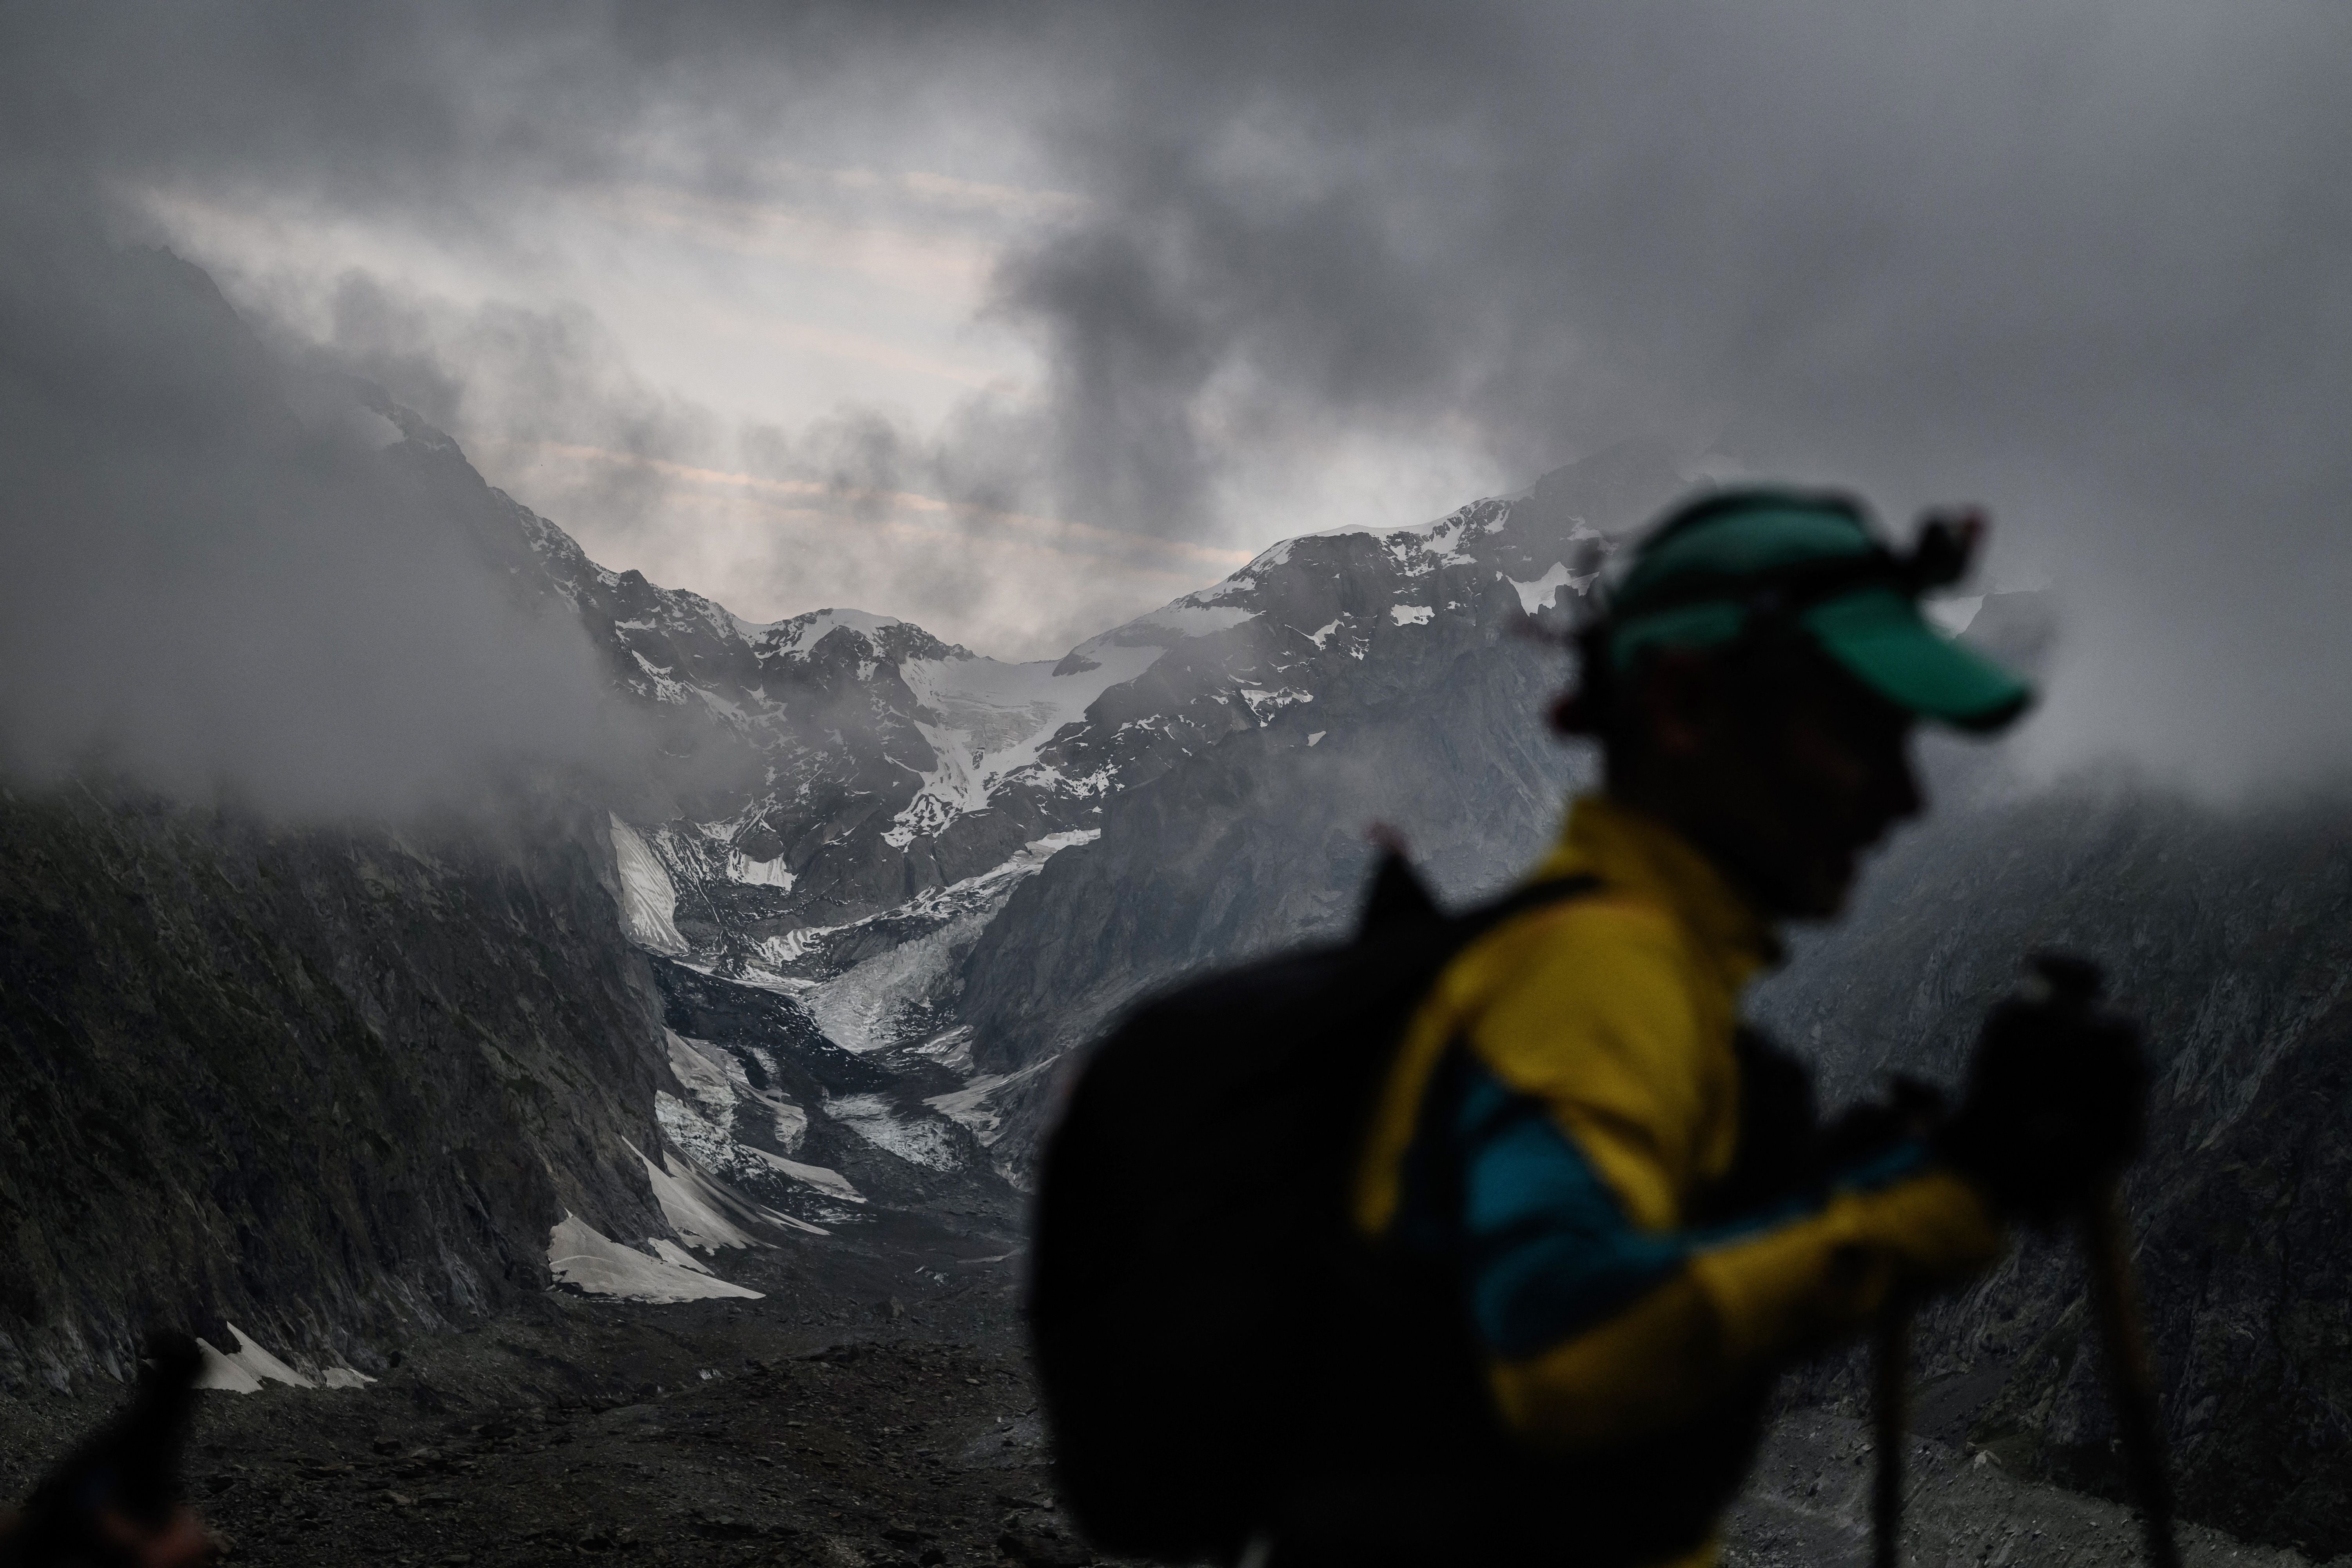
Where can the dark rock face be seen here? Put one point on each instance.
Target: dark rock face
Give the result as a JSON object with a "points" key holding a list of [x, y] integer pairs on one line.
{"points": [[326, 1084], [2231, 935]]}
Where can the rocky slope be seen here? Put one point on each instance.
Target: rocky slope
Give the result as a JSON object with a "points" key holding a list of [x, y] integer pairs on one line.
{"points": [[2231, 935], [330, 1086], [872, 1409]]}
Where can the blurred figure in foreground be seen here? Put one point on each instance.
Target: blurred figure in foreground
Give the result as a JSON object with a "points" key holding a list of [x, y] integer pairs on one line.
{"points": [[1580, 1141], [114, 1501]]}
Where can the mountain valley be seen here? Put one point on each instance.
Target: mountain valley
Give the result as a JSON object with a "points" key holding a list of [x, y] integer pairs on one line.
{"points": [[659, 1097]]}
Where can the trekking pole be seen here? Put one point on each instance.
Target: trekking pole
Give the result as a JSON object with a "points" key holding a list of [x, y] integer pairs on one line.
{"points": [[1890, 1367], [2131, 1386], [1920, 1108]]}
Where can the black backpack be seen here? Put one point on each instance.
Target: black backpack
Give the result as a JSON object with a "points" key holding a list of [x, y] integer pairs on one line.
{"points": [[1194, 1262]]}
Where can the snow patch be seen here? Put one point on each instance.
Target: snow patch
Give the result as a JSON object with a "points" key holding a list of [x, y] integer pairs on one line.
{"points": [[831, 1183], [699, 1217], [699, 1141], [716, 1083], [670, 1252], [261, 1363], [1424, 546], [993, 719], [1535, 595], [1411, 615], [980, 893], [1267, 559], [1263, 705], [973, 1105], [583, 1258], [951, 1048], [789, 947], [648, 902], [222, 1372], [665, 688], [919, 1142], [802, 633], [709, 1083], [1317, 735], [750, 873], [791, 1125], [865, 1007], [247, 1366], [706, 1215], [1319, 637]]}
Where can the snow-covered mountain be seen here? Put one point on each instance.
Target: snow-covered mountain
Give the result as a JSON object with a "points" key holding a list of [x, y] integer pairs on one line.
{"points": [[866, 801], [895, 769]]}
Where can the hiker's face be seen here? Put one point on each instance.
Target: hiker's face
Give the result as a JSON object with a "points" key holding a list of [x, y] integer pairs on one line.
{"points": [[1786, 776]]}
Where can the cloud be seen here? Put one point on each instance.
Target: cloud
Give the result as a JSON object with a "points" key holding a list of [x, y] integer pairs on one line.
{"points": [[2080, 261], [860, 507], [2083, 261], [216, 585]]}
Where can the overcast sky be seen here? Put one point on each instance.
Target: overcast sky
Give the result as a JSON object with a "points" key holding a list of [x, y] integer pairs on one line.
{"points": [[1014, 319]]}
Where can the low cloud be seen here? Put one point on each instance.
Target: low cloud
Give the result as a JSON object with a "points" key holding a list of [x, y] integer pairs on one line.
{"points": [[948, 525], [216, 585], [2082, 261]]}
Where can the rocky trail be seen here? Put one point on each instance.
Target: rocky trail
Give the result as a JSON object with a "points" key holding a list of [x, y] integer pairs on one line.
{"points": [[883, 1416], [873, 1408]]}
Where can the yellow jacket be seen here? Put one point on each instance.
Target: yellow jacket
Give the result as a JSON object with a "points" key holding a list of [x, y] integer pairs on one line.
{"points": [[1571, 1094]]}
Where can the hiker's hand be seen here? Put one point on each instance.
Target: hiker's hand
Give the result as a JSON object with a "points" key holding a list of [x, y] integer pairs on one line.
{"points": [[178, 1541], [2057, 1096], [110, 1501], [1911, 1112], [181, 1540]]}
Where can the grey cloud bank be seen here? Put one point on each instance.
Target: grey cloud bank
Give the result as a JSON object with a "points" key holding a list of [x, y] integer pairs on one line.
{"points": [[2087, 262], [215, 587]]}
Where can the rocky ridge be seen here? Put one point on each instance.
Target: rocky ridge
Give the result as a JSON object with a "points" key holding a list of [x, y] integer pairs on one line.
{"points": [[2228, 933], [333, 1088]]}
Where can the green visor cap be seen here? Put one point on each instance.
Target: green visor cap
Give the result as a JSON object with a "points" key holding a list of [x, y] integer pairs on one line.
{"points": [[1710, 567]]}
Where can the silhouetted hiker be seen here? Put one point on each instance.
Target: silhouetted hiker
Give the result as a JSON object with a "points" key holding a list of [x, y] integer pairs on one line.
{"points": [[1578, 1217], [114, 1501]]}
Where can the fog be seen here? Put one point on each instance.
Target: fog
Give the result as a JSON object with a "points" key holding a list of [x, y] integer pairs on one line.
{"points": [[215, 585], [1267, 267]]}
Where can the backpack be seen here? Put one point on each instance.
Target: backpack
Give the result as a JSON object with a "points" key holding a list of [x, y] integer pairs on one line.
{"points": [[1193, 1251]]}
